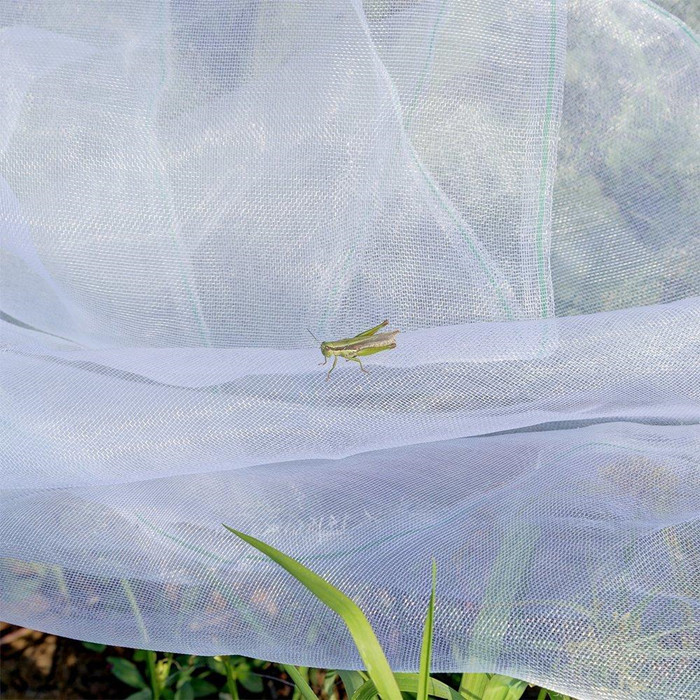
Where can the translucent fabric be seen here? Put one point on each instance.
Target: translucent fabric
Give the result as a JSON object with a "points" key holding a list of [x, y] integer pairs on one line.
{"points": [[188, 188]]}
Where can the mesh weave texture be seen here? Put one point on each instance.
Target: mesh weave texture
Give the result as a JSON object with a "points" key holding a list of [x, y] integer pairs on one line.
{"points": [[187, 187]]}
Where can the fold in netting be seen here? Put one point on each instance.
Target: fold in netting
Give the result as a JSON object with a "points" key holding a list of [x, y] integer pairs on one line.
{"points": [[554, 543], [117, 416], [553, 548]]}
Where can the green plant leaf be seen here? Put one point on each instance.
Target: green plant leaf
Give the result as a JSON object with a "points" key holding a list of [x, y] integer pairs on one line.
{"points": [[300, 682], [179, 677], [252, 683], [144, 694], [216, 664], [184, 692], [151, 658], [249, 680], [426, 651], [127, 672], [504, 688], [231, 684], [557, 696], [202, 688], [352, 680], [408, 683], [365, 640], [473, 685], [367, 691], [329, 681], [92, 646], [161, 669]]}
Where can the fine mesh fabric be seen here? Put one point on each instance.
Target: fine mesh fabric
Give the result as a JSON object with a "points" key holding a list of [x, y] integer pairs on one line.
{"points": [[187, 187]]}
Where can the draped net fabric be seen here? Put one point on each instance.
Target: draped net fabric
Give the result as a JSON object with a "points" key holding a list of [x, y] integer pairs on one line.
{"points": [[187, 187]]}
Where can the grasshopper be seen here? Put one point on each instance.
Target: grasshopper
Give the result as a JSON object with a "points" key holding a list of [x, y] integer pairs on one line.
{"points": [[366, 343]]}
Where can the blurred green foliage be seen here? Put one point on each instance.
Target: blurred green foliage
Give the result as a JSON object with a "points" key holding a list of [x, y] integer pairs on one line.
{"points": [[686, 10], [625, 208]]}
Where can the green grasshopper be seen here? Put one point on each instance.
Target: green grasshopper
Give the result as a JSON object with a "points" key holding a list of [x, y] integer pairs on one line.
{"points": [[366, 343]]}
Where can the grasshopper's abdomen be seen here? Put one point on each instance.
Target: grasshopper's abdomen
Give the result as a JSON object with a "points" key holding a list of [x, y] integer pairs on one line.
{"points": [[381, 340]]}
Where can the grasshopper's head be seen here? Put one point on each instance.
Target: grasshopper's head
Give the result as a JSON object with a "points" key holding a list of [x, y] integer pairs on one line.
{"points": [[325, 349]]}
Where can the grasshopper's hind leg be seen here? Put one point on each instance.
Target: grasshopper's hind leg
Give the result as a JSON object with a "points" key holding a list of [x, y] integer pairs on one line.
{"points": [[357, 359], [335, 360]]}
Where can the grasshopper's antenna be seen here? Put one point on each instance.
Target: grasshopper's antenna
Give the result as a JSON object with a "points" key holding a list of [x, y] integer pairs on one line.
{"points": [[313, 336]]}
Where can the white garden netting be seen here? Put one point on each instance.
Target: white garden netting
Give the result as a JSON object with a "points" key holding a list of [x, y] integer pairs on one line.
{"points": [[187, 187]]}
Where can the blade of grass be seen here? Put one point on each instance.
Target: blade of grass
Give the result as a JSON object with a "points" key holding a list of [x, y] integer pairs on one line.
{"points": [[150, 655], [62, 586], [508, 571], [504, 688], [426, 651], [408, 683], [553, 695], [330, 679], [473, 685], [362, 633], [126, 586], [152, 676], [229, 594], [230, 677], [300, 682], [352, 680]]}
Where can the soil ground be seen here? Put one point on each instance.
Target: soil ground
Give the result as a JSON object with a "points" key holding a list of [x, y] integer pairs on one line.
{"points": [[38, 665]]}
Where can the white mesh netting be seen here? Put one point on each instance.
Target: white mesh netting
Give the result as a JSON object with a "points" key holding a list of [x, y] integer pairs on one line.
{"points": [[186, 187]]}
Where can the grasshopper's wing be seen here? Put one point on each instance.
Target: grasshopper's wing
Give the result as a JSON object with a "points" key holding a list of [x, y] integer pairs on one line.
{"points": [[383, 341], [372, 351], [370, 332]]}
